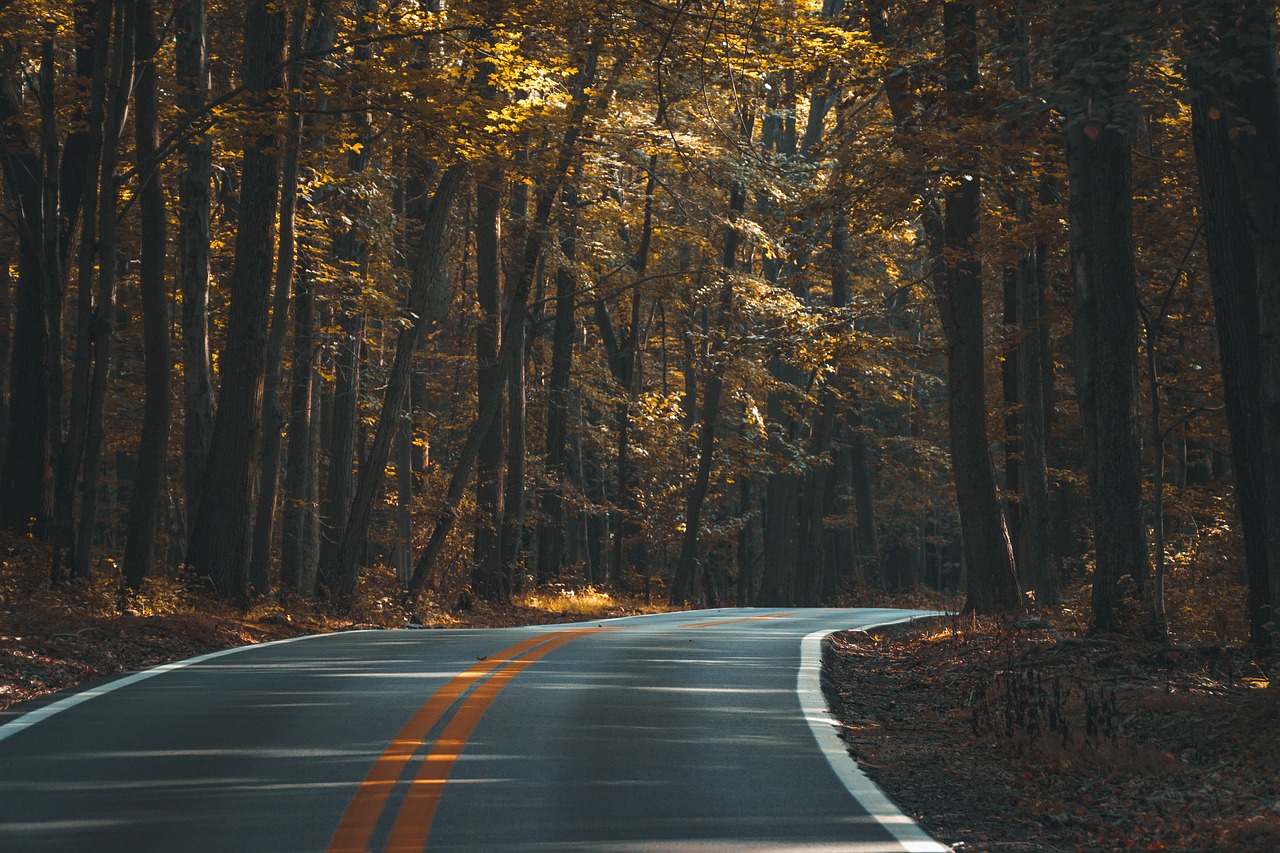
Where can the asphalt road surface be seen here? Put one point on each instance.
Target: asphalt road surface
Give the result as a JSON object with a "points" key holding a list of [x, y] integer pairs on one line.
{"points": [[692, 731]]}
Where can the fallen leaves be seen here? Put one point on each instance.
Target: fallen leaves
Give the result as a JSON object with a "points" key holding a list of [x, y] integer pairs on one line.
{"points": [[1181, 754]]}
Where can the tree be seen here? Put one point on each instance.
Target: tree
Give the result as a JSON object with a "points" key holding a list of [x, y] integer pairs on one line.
{"points": [[219, 545]]}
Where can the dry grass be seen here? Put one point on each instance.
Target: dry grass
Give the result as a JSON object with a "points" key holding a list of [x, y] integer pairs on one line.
{"points": [[588, 602]]}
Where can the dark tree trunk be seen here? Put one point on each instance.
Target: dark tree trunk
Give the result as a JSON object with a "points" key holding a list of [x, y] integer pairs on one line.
{"points": [[551, 539], [219, 548], [341, 453], [273, 418], [153, 446], [1119, 532], [298, 549], [1034, 528], [192, 66], [1235, 222], [102, 324], [6, 346], [489, 581], [993, 582], [511, 540], [864, 507], [25, 487], [1012, 417], [1252, 41], [1234, 277], [1094, 72]]}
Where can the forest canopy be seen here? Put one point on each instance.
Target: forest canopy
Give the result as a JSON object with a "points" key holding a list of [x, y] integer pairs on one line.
{"points": [[777, 303]]}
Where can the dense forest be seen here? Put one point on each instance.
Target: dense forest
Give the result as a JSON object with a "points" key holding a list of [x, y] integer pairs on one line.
{"points": [[763, 303]]}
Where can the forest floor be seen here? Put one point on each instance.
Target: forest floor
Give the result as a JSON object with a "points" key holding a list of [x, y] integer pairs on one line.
{"points": [[996, 738], [999, 739]]}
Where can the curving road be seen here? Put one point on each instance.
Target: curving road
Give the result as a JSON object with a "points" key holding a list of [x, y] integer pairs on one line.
{"points": [[678, 732]]}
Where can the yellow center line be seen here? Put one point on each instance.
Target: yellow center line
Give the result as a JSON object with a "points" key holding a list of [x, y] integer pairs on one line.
{"points": [[413, 823], [357, 825], [717, 622]]}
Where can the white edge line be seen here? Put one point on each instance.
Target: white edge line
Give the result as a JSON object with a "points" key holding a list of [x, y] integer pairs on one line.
{"points": [[29, 719], [824, 727]]}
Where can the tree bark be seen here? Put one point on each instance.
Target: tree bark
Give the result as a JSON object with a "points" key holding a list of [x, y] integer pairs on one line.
{"points": [[298, 548], [153, 446], [273, 417], [103, 317], [219, 547], [192, 71], [551, 540], [1234, 279], [488, 579], [1233, 173], [993, 581]]}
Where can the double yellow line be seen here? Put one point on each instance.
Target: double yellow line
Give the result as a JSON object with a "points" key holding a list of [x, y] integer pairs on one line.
{"points": [[413, 821]]}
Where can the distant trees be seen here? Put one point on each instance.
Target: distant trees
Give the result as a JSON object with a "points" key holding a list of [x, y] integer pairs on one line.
{"points": [[731, 324]]}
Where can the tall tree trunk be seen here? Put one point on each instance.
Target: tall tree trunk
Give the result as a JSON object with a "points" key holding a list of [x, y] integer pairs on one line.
{"points": [[1033, 551], [511, 541], [298, 554], [339, 480], [273, 416], [153, 446], [489, 580], [1106, 308], [993, 582], [71, 454], [25, 488], [192, 67], [864, 507], [1119, 532], [1234, 278], [551, 539], [219, 548], [6, 346], [1236, 129], [102, 325]]}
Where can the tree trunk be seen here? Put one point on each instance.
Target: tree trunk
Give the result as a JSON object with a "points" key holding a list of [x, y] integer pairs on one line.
{"points": [[273, 418], [298, 557], [993, 582], [219, 548], [489, 581], [1034, 529], [1239, 170], [192, 67], [71, 454], [6, 346], [1119, 531], [1234, 278], [153, 446], [339, 481], [103, 318], [551, 539]]}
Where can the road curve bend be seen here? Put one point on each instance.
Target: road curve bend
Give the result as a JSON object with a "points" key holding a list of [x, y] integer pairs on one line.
{"points": [[690, 732]]}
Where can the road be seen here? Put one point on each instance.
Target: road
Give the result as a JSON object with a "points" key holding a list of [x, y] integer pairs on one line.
{"points": [[691, 731]]}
